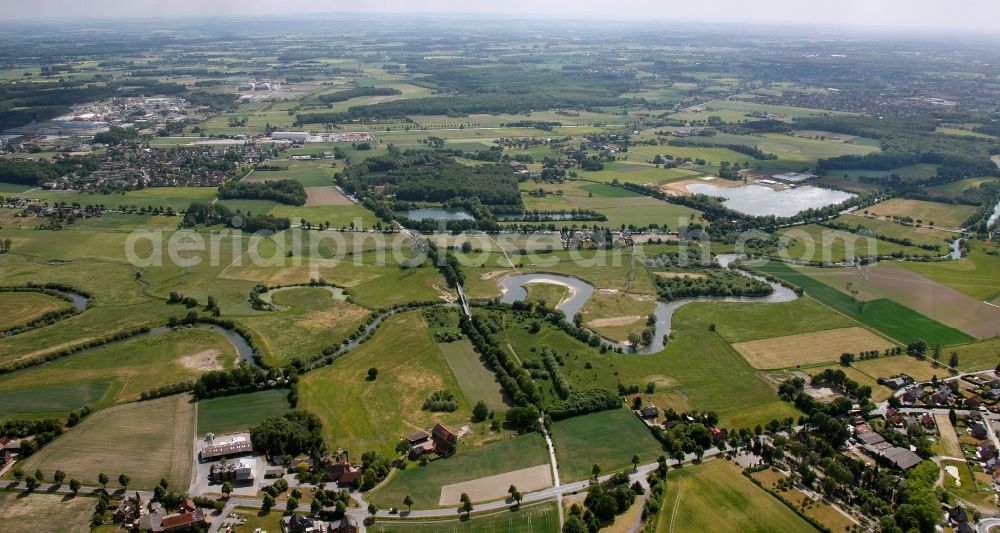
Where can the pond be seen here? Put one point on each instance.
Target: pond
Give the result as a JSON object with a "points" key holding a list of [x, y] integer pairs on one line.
{"points": [[758, 200], [436, 213]]}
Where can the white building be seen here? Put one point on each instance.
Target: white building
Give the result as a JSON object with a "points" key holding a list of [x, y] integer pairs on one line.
{"points": [[294, 136]]}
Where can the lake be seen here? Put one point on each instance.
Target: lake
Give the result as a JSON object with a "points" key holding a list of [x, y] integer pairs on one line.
{"points": [[758, 200], [436, 213]]}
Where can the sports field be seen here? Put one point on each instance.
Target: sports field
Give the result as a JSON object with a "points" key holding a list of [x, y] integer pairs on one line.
{"points": [[809, 348], [18, 308], [892, 319], [361, 415], [424, 483], [476, 381], [948, 216], [607, 438], [717, 497], [227, 414], [539, 518], [21, 514], [113, 442]]}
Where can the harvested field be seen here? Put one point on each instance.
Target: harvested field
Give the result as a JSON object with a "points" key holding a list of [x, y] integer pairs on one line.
{"points": [[809, 348], [17, 308], [495, 487], [110, 441], [21, 514], [944, 304], [948, 443], [325, 196]]}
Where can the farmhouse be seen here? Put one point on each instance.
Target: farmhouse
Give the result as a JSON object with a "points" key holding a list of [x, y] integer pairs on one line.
{"points": [[301, 524], [342, 472], [156, 521], [899, 382], [444, 439], [420, 443], [237, 446], [650, 412]]}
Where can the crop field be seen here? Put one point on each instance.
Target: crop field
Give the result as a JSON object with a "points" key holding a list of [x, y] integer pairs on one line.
{"points": [[240, 412], [310, 321], [607, 438], [538, 518], [18, 308], [111, 441], [716, 493], [54, 400], [325, 196], [476, 381], [892, 281], [976, 275], [949, 216], [129, 368], [424, 483], [361, 415], [892, 319], [23, 513], [809, 348], [886, 367]]}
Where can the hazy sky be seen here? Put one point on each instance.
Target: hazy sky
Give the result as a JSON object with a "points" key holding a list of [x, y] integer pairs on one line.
{"points": [[972, 14]]}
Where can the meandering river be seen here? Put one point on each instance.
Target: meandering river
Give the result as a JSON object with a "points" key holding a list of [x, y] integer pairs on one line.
{"points": [[581, 292]]}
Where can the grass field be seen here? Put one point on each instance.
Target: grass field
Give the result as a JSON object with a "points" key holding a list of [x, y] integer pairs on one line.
{"points": [[892, 319], [361, 415], [476, 381], [950, 216], [21, 514], [164, 197], [127, 369], [607, 438], [111, 441], [227, 414], [918, 235], [717, 493], [8, 188], [979, 355], [308, 173], [539, 518], [550, 294], [424, 483], [617, 314], [17, 308], [742, 322], [809, 348], [312, 319], [818, 244]]}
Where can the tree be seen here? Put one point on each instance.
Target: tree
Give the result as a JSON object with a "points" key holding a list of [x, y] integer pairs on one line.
{"points": [[268, 503], [372, 509], [227, 488], [291, 505], [846, 359], [372, 374], [408, 502], [124, 479], [480, 411], [595, 470], [515, 494], [467, 507], [102, 478], [574, 524], [59, 476], [38, 475], [953, 360], [635, 462], [18, 473], [32, 483], [74, 486]]}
